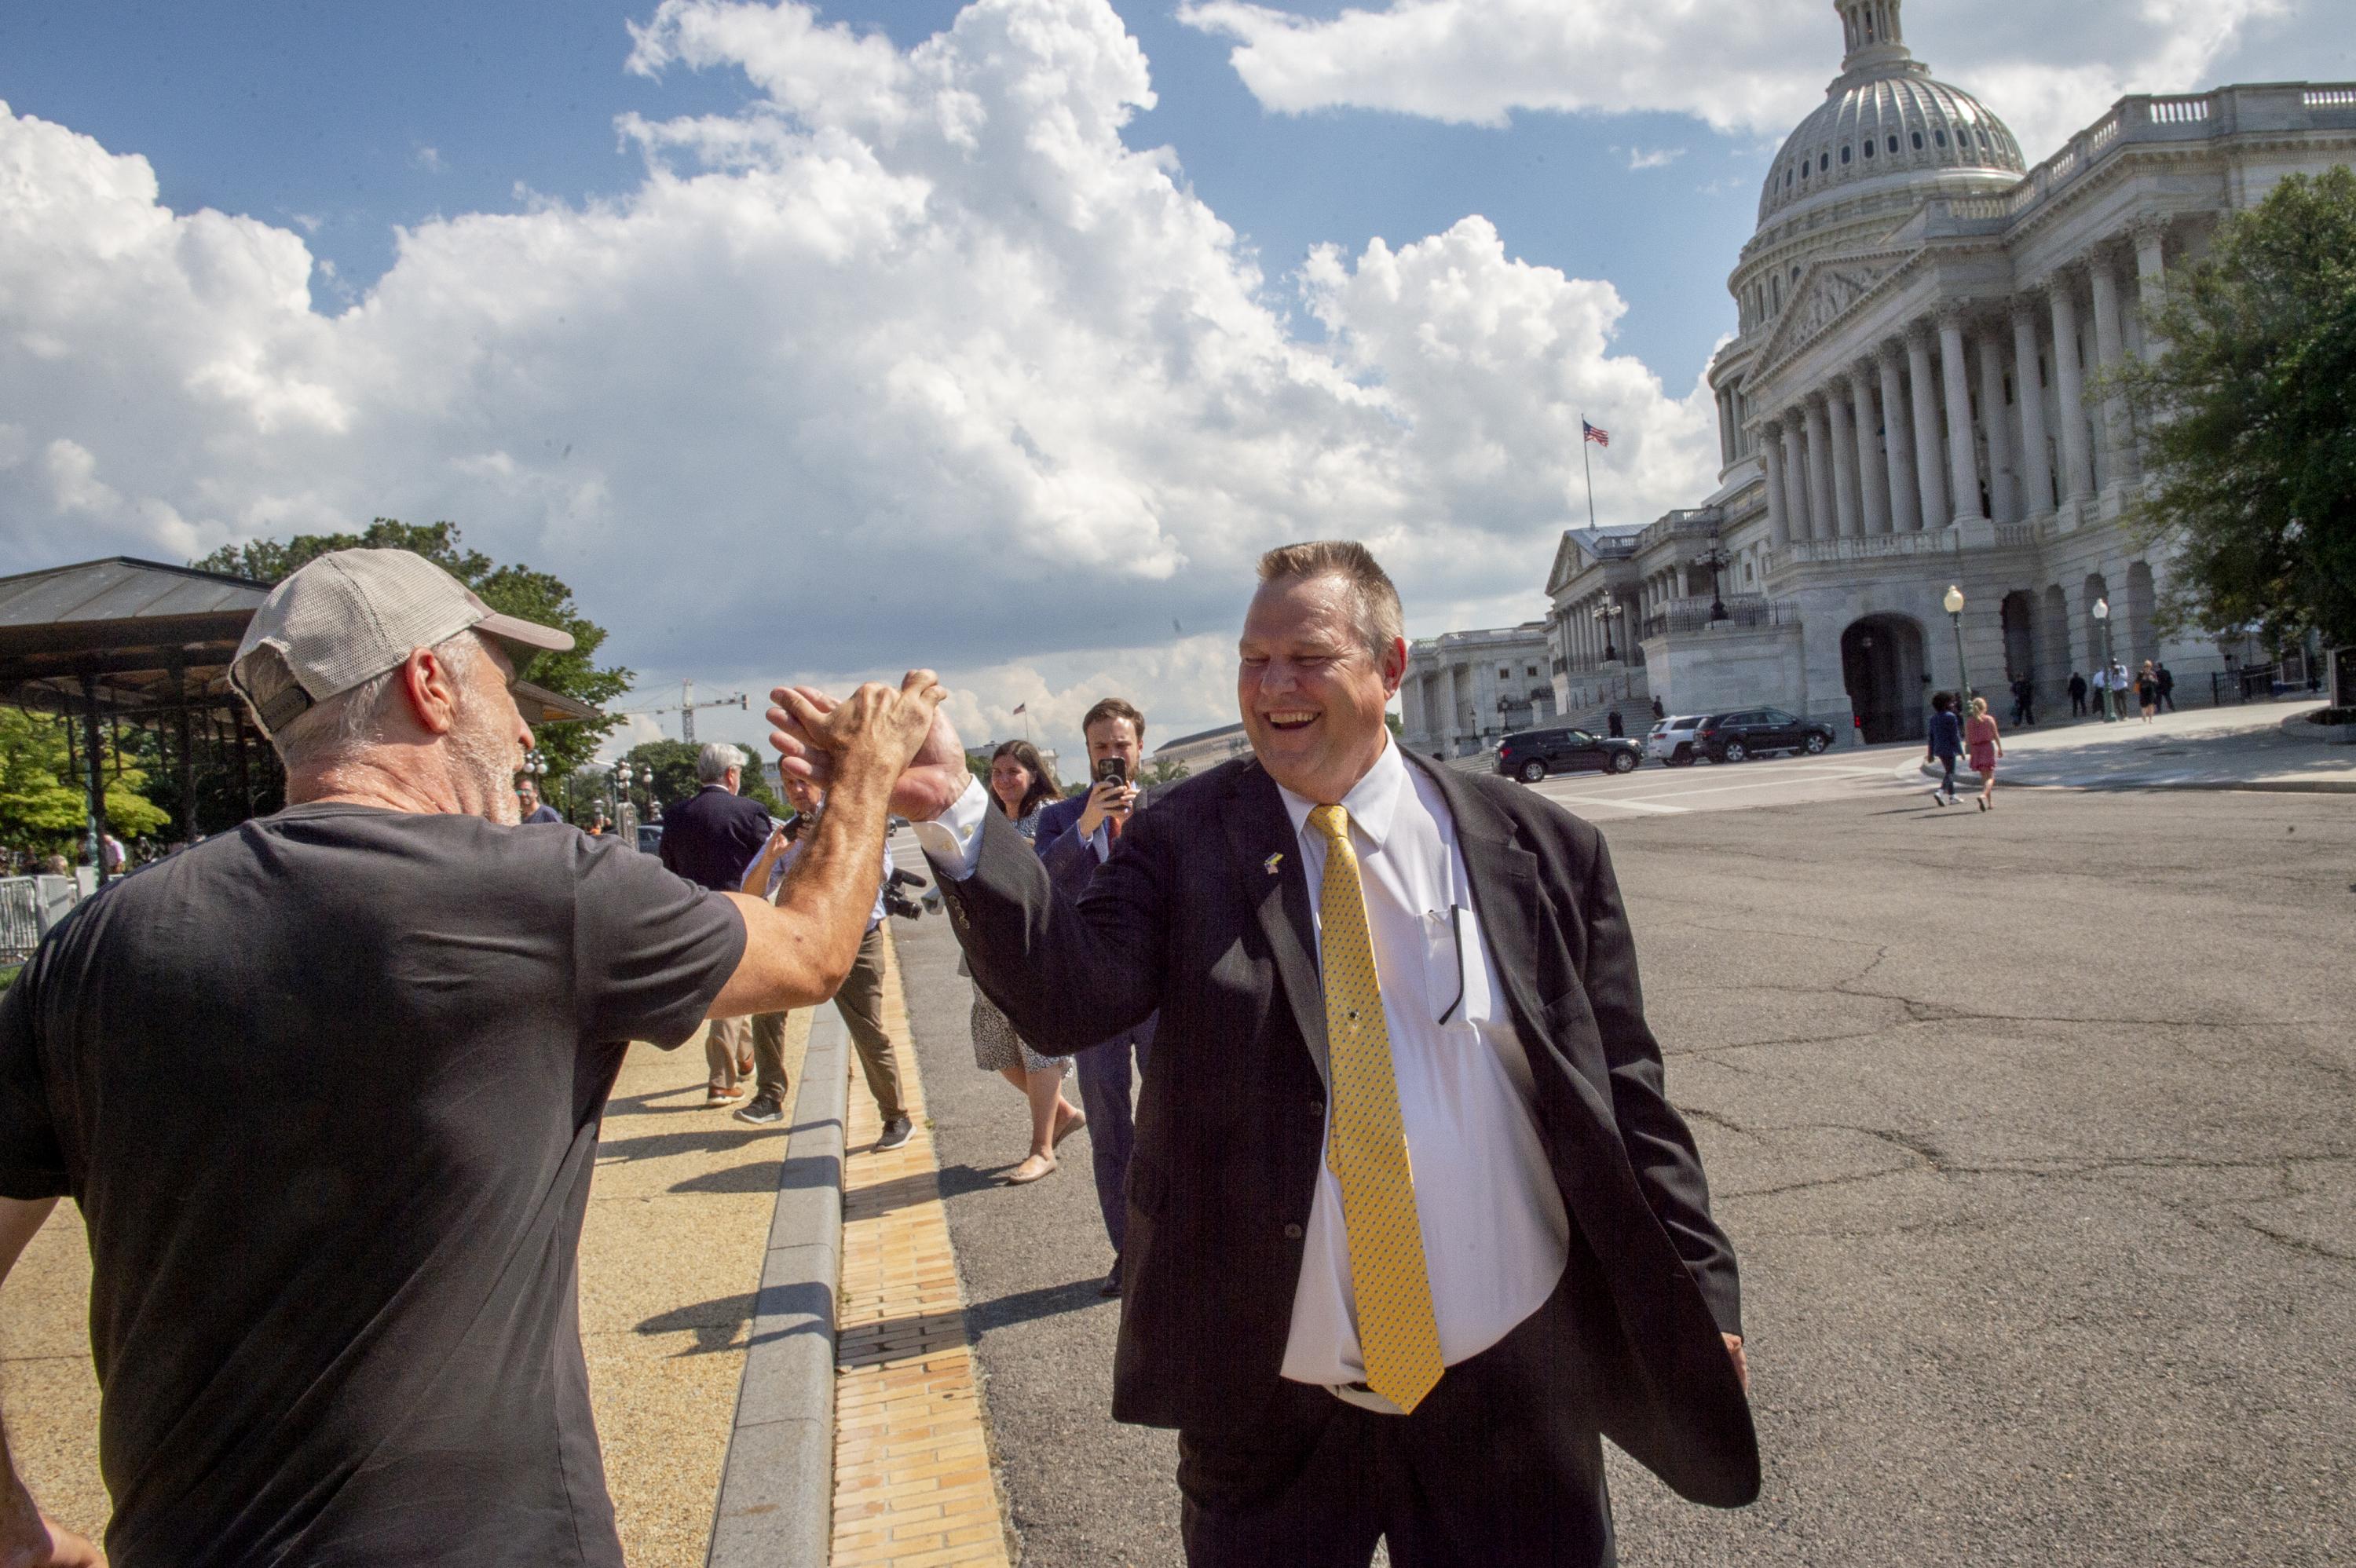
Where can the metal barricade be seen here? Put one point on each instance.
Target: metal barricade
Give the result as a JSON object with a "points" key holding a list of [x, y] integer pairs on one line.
{"points": [[20, 918]]}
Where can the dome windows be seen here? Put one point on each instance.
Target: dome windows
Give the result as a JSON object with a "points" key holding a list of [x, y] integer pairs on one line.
{"points": [[1939, 136], [1844, 156], [1918, 140], [1869, 146], [1824, 162], [1893, 147]]}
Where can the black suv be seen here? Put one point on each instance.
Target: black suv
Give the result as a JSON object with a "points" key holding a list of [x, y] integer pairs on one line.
{"points": [[1534, 754], [1732, 737]]}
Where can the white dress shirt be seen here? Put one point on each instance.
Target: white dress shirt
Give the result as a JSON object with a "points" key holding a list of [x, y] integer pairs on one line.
{"points": [[1496, 1235]]}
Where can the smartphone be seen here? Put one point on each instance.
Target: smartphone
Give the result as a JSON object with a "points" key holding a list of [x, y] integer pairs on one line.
{"points": [[1112, 768]]}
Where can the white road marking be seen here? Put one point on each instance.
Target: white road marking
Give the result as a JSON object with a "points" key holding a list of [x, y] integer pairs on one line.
{"points": [[1624, 803]]}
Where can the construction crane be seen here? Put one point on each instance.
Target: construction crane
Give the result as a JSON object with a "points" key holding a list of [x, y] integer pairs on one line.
{"points": [[687, 704]]}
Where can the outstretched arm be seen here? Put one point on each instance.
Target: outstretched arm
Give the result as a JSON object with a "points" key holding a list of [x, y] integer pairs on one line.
{"points": [[28, 1538]]}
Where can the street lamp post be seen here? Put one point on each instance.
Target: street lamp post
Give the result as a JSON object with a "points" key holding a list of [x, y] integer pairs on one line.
{"points": [[1715, 559], [2110, 698], [1604, 614], [1955, 604]]}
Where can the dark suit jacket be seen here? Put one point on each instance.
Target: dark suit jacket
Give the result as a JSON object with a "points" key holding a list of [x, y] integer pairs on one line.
{"points": [[1071, 859], [710, 837], [1196, 915]]}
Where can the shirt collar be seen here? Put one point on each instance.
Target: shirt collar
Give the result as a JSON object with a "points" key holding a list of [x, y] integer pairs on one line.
{"points": [[1372, 803]]}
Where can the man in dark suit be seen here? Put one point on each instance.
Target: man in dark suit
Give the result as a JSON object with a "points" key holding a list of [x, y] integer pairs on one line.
{"points": [[709, 839], [1076, 836], [1412, 1222]]}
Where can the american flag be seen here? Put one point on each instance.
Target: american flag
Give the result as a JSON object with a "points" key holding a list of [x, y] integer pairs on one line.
{"points": [[1596, 433], [1020, 710]]}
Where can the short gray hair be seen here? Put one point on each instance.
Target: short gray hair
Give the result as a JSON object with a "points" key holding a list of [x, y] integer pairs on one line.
{"points": [[712, 763], [1374, 599], [329, 733]]}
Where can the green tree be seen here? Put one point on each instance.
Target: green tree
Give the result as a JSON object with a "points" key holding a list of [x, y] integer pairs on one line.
{"points": [[1154, 773], [511, 590], [672, 766], [43, 803], [2250, 420]]}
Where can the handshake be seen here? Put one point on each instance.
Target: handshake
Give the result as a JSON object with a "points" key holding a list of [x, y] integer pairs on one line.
{"points": [[878, 738]]}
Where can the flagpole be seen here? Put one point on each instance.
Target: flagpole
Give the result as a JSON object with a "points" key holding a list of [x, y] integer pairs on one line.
{"points": [[1587, 464]]}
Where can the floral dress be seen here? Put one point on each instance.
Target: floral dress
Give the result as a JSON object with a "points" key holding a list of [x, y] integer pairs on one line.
{"points": [[996, 1046]]}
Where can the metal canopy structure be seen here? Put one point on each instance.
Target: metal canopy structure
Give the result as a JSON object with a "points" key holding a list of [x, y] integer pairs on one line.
{"points": [[126, 641]]}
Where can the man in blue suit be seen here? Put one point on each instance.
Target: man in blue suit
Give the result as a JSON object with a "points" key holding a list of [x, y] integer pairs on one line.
{"points": [[1075, 838]]}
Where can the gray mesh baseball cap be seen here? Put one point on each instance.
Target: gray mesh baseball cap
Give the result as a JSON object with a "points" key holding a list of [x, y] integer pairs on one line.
{"points": [[349, 616]]}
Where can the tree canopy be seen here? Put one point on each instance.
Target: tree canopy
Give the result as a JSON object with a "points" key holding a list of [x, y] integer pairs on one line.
{"points": [[515, 589], [43, 803], [671, 767], [2250, 420]]}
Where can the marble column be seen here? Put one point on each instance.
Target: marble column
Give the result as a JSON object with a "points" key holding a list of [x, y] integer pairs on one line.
{"points": [[1963, 456], [1872, 476], [2003, 489], [2151, 276], [1905, 497], [1930, 474], [1820, 470], [2110, 351], [1795, 478], [2036, 470], [1844, 472], [1779, 518], [1725, 433], [2070, 389]]}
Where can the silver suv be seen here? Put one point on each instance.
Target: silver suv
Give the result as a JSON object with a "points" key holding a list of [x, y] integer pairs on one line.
{"points": [[1672, 740]]}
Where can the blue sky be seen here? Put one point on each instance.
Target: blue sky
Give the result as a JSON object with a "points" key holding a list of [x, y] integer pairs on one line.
{"points": [[361, 118], [826, 341]]}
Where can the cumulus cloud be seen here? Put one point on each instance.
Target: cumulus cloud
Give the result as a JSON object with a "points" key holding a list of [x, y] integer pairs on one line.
{"points": [[1751, 67], [1653, 157], [910, 360]]}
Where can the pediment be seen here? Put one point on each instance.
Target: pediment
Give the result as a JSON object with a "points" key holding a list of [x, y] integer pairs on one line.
{"points": [[1828, 290], [1566, 557]]}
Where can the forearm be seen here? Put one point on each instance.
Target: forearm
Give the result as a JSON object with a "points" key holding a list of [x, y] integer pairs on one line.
{"points": [[23, 1536], [799, 951]]}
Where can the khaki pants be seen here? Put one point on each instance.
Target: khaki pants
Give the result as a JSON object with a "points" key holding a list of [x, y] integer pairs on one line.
{"points": [[861, 1003], [725, 1042]]}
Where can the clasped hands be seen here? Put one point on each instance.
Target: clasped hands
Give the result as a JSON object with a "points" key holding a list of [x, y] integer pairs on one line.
{"points": [[903, 735]]}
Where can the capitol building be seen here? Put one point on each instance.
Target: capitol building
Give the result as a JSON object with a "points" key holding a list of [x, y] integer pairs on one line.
{"points": [[1913, 400]]}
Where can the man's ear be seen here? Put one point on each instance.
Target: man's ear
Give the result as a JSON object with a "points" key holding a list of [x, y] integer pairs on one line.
{"points": [[430, 687], [1394, 665]]}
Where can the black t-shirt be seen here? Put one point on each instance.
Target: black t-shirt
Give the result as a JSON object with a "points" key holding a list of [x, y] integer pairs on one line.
{"points": [[328, 1089]]}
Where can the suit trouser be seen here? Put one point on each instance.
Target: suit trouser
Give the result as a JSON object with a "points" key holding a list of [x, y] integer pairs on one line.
{"points": [[769, 1057], [1112, 1129], [723, 1048], [1500, 1465]]}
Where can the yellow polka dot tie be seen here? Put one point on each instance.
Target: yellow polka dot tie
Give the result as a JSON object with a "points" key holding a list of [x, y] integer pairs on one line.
{"points": [[1367, 1147]]}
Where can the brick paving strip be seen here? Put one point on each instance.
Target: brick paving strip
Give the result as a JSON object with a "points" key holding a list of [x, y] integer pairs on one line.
{"points": [[913, 1480], [672, 1254]]}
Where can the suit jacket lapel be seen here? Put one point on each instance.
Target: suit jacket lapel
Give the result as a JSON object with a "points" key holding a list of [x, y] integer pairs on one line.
{"points": [[1258, 828]]}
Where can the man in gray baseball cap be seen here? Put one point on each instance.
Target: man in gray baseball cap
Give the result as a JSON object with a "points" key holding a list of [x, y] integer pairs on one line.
{"points": [[326, 1089]]}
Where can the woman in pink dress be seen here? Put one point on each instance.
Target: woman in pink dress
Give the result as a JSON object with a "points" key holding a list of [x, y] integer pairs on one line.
{"points": [[1982, 749]]}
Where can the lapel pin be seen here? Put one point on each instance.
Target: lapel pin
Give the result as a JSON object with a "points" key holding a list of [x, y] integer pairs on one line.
{"points": [[1274, 862]]}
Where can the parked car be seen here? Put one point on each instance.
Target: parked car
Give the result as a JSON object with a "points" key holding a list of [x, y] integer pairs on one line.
{"points": [[650, 837], [1672, 740], [1532, 754], [1752, 732]]}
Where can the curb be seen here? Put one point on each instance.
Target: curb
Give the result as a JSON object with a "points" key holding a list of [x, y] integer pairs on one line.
{"points": [[2262, 786], [776, 1506]]}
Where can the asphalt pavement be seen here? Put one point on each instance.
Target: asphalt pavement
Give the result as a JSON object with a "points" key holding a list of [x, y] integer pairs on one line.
{"points": [[2035, 1132]]}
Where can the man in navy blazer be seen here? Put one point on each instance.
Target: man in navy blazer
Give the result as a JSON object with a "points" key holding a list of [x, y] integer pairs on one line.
{"points": [[1076, 836]]}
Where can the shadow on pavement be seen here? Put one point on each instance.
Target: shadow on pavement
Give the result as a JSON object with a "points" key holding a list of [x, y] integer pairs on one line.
{"points": [[1029, 1306]]}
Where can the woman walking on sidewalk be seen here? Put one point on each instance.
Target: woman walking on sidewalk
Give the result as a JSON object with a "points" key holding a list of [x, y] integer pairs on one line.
{"points": [[1980, 739], [1020, 784], [2147, 692], [1946, 744]]}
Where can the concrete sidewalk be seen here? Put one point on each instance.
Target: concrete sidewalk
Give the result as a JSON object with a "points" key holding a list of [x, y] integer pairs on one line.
{"points": [[670, 1256], [2250, 747]]}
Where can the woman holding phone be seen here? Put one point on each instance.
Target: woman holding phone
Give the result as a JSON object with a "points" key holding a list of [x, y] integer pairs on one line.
{"points": [[1020, 784]]}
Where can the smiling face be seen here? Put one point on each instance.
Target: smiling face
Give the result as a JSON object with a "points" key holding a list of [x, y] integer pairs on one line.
{"points": [[1009, 781], [1310, 691]]}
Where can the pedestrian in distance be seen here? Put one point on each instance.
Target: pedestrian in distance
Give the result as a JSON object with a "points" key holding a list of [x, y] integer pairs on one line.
{"points": [[534, 808], [1659, 712], [1617, 727], [2077, 695], [1984, 746], [326, 1089], [1076, 837], [710, 838], [1021, 785], [1946, 744], [859, 1001], [2166, 686], [1413, 1221], [2147, 692]]}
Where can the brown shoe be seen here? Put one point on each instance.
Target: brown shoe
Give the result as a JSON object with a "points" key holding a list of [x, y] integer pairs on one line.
{"points": [[745, 1067], [1031, 1169], [716, 1096]]}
